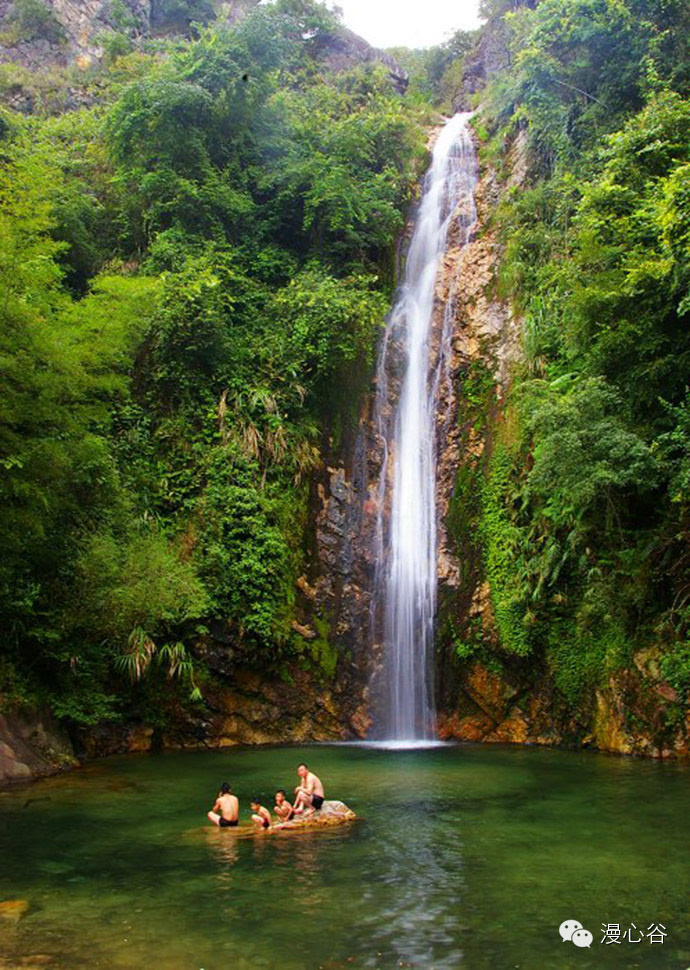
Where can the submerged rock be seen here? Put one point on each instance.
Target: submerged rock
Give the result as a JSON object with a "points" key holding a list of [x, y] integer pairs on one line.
{"points": [[13, 910], [34, 961]]}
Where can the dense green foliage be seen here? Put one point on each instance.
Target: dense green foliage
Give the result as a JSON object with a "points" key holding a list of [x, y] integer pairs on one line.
{"points": [[438, 73], [186, 269], [586, 507], [193, 273]]}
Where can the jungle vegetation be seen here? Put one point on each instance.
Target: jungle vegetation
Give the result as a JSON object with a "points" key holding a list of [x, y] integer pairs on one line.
{"points": [[188, 268], [584, 515], [193, 273]]}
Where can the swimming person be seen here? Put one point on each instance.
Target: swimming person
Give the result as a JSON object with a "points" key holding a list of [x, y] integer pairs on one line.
{"points": [[309, 795], [261, 816], [282, 807], [226, 812]]}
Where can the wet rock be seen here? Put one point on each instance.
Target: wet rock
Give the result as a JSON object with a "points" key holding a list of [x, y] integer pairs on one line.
{"points": [[102, 740], [32, 745], [464, 727], [140, 739], [344, 566], [257, 710], [609, 731], [521, 705], [305, 588], [361, 722], [11, 768], [513, 729], [492, 693]]}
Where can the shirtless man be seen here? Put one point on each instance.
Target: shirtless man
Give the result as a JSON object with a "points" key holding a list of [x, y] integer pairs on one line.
{"points": [[282, 807], [309, 794], [226, 812], [260, 815]]}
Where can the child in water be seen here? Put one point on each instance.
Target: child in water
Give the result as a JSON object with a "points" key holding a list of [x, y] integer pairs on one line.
{"points": [[260, 815]]}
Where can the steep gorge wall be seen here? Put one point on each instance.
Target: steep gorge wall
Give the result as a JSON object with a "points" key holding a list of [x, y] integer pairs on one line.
{"points": [[72, 31], [350, 497], [71, 35], [248, 708], [485, 693]]}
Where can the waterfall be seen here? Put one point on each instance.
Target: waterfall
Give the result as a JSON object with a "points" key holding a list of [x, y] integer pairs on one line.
{"points": [[411, 373]]}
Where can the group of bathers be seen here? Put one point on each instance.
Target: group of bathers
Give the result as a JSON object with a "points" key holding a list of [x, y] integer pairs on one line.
{"points": [[225, 812]]}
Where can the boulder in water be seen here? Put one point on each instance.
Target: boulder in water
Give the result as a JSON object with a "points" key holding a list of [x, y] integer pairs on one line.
{"points": [[332, 812], [335, 809]]}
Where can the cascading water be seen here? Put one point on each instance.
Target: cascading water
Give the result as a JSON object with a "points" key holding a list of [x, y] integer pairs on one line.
{"points": [[405, 593]]}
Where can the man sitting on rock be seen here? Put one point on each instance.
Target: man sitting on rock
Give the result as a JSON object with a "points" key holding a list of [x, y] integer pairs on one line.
{"points": [[226, 812], [309, 794]]}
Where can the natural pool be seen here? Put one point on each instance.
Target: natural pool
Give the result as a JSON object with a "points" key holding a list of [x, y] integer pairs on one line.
{"points": [[465, 857]]}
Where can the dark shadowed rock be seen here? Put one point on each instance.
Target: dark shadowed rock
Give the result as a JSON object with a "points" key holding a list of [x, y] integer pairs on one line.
{"points": [[31, 745], [342, 50]]}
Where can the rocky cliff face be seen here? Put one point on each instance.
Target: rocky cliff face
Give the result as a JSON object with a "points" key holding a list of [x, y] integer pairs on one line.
{"points": [[348, 517], [63, 34], [502, 698], [31, 745], [251, 708], [71, 32], [343, 49], [346, 566], [247, 708], [509, 699]]}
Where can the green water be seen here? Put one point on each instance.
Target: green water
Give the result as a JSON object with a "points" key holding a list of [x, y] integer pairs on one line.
{"points": [[465, 857]]}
